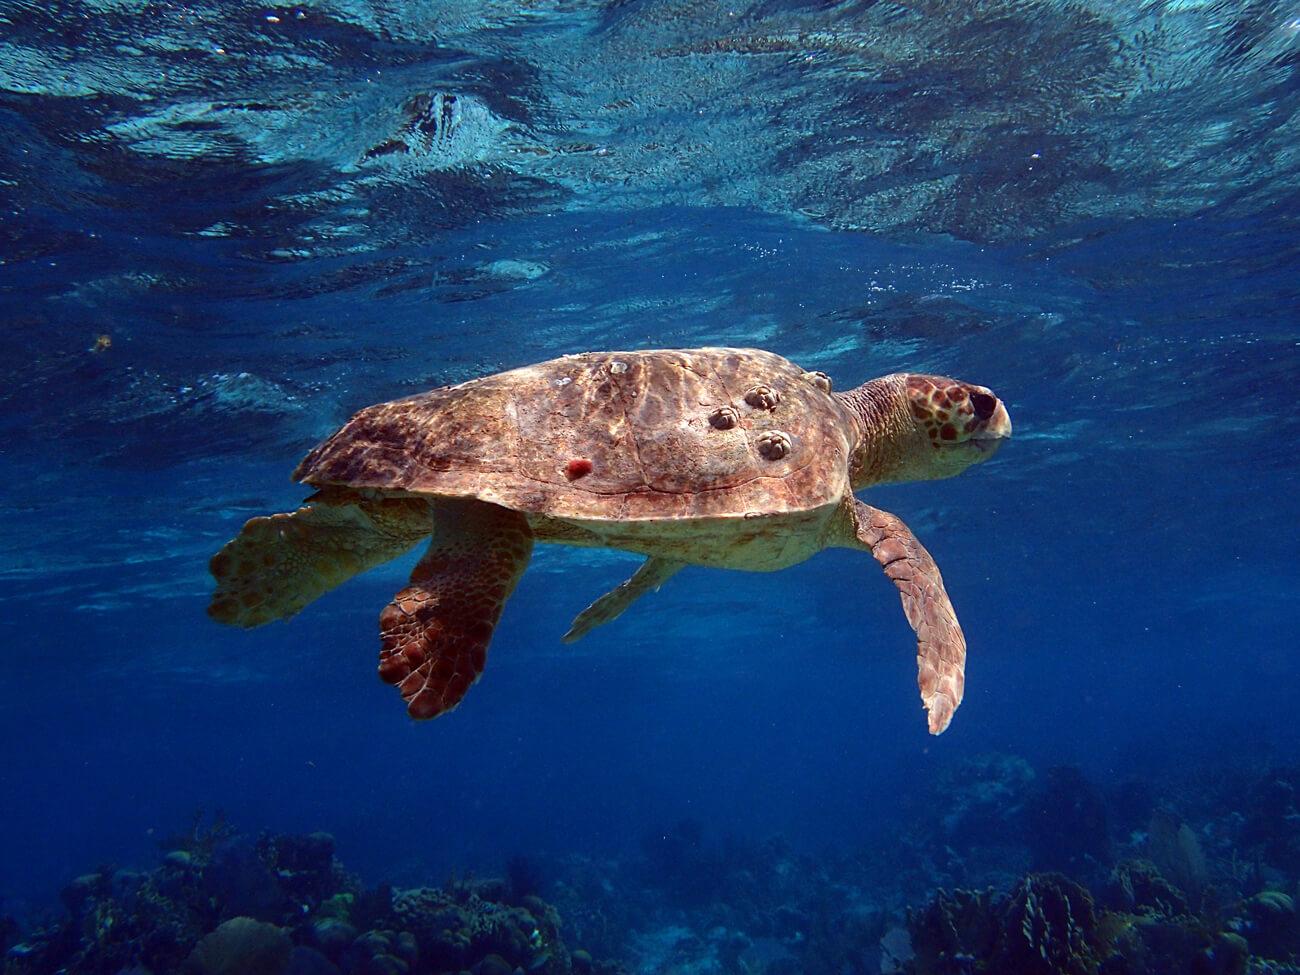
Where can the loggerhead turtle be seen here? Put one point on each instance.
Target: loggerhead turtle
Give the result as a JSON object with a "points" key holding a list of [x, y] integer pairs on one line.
{"points": [[730, 458]]}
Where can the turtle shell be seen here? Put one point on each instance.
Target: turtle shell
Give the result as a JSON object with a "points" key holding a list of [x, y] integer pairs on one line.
{"points": [[641, 436]]}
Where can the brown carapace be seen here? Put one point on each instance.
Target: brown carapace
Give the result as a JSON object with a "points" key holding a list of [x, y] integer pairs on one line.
{"points": [[728, 458]]}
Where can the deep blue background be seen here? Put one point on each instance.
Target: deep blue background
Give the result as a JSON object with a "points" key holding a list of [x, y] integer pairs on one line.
{"points": [[1106, 239]]}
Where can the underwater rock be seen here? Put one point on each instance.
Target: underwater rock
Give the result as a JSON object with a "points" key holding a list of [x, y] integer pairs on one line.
{"points": [[380, 953], [241, 946], [493, 965], [1271, 925], [405, 947], [309, 961], [333, 936]]}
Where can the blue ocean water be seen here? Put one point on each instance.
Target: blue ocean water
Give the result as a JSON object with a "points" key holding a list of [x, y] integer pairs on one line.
{"points": [[224, 227]]}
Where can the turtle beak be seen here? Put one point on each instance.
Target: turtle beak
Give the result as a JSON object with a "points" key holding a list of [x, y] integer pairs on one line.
{"points": [[996, 425]]}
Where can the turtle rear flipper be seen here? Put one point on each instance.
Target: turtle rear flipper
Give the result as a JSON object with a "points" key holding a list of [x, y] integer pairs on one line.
{"points": [[435, 633], [652, 574], [276, 565]]}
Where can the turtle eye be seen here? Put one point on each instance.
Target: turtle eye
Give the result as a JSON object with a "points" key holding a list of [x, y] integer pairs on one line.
{"points": [[984, 405]]}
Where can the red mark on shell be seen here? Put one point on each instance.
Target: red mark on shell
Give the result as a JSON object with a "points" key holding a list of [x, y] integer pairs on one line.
{"points": [[578, 467], [948, 432]]}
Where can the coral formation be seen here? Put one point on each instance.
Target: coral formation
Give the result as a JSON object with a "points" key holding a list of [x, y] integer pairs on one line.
{"points": [[1196, 879], [240, 946], [454, 926], [223, 904], [1049, 925]]}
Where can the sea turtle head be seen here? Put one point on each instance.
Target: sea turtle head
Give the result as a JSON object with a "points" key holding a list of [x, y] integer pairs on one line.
{"points": [[922, 428]]}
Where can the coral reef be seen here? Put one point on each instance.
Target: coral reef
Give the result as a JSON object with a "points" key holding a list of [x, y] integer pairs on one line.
{"points": [[1137, 887], [1049, 925], [224, 904], [1205, 897], [1155, 877], [240, 946], [458, 925]]}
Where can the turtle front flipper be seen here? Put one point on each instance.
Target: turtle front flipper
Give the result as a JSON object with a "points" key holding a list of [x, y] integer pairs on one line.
{"points": [[278, 564], [435, 633], [940, 647], [652, 574]]}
